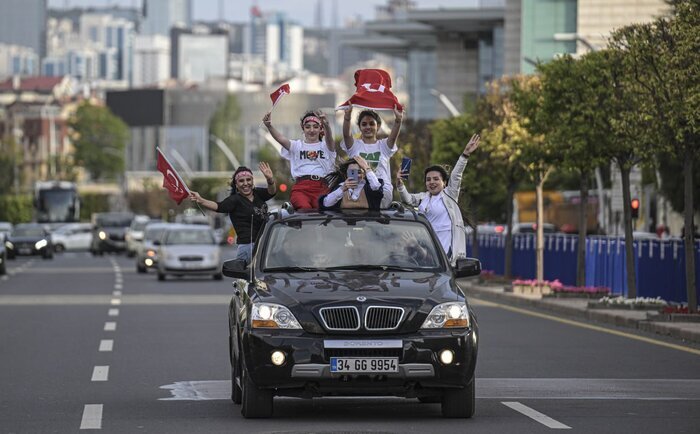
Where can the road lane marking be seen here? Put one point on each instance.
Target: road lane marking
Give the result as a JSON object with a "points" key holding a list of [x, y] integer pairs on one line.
{"points": [[118, 286], [106, 345], [5, 277], [92, 417], [510, 389], [135, 299], [115, 302], [596, 328], [535, 415], [113, 312], [100, 373], [116, 293], [110, 326]]}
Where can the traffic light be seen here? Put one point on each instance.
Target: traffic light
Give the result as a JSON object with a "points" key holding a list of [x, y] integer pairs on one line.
{"points": [[635, 208]]}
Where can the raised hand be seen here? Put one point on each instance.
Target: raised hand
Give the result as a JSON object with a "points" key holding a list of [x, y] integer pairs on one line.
{"points": [[265, 169], [362, 162], [348, 112], [472, 145], [195, 197], [267, 119], [398, 114]]}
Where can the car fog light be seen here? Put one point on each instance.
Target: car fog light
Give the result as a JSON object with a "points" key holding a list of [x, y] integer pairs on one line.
{"points": [[447, 357], [278, 358], [148, 262]]}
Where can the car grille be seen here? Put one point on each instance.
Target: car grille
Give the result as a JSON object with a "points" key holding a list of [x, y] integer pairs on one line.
{"points": [[340, 318], [383, 318], [116, 237], [191, 258]]}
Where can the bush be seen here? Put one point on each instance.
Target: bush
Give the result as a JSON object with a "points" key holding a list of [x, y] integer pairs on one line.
{"points": [[91, 203], [16, 208]]}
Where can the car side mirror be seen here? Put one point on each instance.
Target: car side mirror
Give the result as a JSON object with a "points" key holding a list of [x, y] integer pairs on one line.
{"points": [[235, 268], [467, 267]]}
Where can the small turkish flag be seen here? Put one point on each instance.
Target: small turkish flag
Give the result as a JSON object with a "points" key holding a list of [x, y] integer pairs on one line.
{"points": [[172, 182], [279, 93], [373, 91]]}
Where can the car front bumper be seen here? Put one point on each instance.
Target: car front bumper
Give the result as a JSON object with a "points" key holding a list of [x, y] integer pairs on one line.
{"points": [[307, 372]]}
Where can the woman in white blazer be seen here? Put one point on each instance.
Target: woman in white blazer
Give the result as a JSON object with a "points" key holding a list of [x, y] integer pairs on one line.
{"points": [[439, 202]]}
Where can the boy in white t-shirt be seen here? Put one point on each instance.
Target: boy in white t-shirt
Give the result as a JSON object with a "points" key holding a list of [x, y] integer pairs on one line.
{"points": [[311, 158], [376, 152]]}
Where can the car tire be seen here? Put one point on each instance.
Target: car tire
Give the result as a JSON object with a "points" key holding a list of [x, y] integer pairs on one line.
{"points": [[161, 276], [3, 268], [47, 255], [236, 391], [255, 403], [459, 403], [218, 276], [141, 269], [58, 248], [130, 254]]}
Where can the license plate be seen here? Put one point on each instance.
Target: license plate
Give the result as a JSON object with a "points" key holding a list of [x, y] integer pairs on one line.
{"points": [[25, 251], [191, 265], [353, 365]]}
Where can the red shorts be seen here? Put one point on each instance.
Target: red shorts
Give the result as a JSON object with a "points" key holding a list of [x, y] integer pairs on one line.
{"points": [[305, 193]]}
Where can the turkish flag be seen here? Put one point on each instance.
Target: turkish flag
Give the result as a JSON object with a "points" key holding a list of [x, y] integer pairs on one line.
{"points": [[279, 93], [373, 91], [172, 182]]}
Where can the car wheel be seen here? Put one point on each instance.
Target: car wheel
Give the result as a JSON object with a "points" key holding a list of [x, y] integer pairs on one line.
{"points": [[140, 268], [236, 391], [58, 248], [3, 269], [218, 276], [10, 256], [255, 403], [130, 254], [47, 255], [459, 402], [161, 276]]}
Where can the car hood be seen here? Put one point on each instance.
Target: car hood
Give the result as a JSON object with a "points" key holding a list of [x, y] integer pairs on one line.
{"points": [[114, 230], [16, 240], [190, 249], [305, 293]]}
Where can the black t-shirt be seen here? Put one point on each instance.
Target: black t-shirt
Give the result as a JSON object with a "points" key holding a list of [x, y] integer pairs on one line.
{"points": [[240, 210]]}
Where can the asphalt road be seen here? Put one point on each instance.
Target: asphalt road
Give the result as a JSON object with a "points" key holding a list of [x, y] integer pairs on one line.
{"points": [[87, 343]]}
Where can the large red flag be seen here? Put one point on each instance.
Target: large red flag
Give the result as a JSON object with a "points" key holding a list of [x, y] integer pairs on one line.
{"points": [[172, 182], [373, 91], [279, 93]]}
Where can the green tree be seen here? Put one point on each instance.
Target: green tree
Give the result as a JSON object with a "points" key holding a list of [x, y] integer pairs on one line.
{"points": [[99, 138], [570, 109], [9, 164], [538, 154], [225, 125], [663, 57]]}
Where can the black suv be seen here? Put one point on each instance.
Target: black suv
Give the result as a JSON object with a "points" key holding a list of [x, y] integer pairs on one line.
{"points": [[109, 231], [351, 303]]}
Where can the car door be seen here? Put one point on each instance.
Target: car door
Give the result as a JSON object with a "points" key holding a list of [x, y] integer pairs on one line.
{"points": [[83, 238]]}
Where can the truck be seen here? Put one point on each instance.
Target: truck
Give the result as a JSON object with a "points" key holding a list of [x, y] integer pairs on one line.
{"points": [[56, 202]]}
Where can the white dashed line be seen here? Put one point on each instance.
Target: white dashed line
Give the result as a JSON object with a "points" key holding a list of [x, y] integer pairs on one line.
{"points": [[118, 286], [106, 344], [115, 302], [535, 415], [5, 277], [110, 326], [113, 312], [117, 293], [100, 373], [92, 417]]}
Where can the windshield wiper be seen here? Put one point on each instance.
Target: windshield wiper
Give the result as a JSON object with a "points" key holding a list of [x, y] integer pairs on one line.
{"points": [[369, 267], [295, 268]]}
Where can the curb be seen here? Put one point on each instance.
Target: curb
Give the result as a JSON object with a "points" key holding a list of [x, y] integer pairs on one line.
{"points": [[689, 332]]}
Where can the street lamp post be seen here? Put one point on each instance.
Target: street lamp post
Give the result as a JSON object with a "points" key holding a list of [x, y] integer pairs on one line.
{"points": [[446, 102]]}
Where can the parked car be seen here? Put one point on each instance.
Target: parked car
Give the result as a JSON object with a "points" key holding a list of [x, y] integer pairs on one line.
{"points": [[188, 250], [147, 253], [3, 255], [109, 231], [531, 228], [72, 236], [351, 303], [134, 234], [29, 239]]}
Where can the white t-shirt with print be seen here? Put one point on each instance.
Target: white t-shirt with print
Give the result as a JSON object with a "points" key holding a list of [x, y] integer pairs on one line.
{"points": [[309, 158], [377, 156]]}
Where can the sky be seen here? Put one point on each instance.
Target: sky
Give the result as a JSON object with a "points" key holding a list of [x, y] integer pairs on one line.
{"points": [[302, 11]]}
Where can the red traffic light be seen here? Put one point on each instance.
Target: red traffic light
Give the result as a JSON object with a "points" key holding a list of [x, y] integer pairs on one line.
{"points": [[635, 204]]}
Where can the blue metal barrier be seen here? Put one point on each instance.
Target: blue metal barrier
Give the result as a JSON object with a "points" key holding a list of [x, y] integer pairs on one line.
{"points": [[659, 264]]}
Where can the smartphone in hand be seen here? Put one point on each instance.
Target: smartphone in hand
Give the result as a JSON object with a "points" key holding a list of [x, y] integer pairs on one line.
{"points": [[405, 167], [353, 175]]}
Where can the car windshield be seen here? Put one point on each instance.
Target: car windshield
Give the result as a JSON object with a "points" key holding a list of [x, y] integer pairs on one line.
{"points": [[184, 236], [114, 222], [138, 225], [154, 234], [350, 244], [28, 232]]}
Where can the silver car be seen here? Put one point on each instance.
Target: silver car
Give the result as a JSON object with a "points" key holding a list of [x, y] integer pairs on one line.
{"points": [[147, 251], [189, 250]]}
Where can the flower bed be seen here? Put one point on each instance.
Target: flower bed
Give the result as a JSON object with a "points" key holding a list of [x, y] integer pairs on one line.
{"points": [[533, 287], [620, 302], [564, 291]]}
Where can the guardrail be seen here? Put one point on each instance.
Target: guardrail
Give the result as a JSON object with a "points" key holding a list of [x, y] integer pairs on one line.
{"points": [[659, 264]]}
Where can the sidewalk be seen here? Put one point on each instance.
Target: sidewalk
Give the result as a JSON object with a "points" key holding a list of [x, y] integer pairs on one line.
{"points": [[578, 308]]}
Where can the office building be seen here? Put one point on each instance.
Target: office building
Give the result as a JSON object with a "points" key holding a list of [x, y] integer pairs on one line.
{"points": [[161, 15]]}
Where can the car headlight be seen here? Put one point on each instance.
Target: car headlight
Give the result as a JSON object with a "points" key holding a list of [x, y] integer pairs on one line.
{"points": [[102, 235], [40, 244], [270, 315], [447, 315], [9, 245]]}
